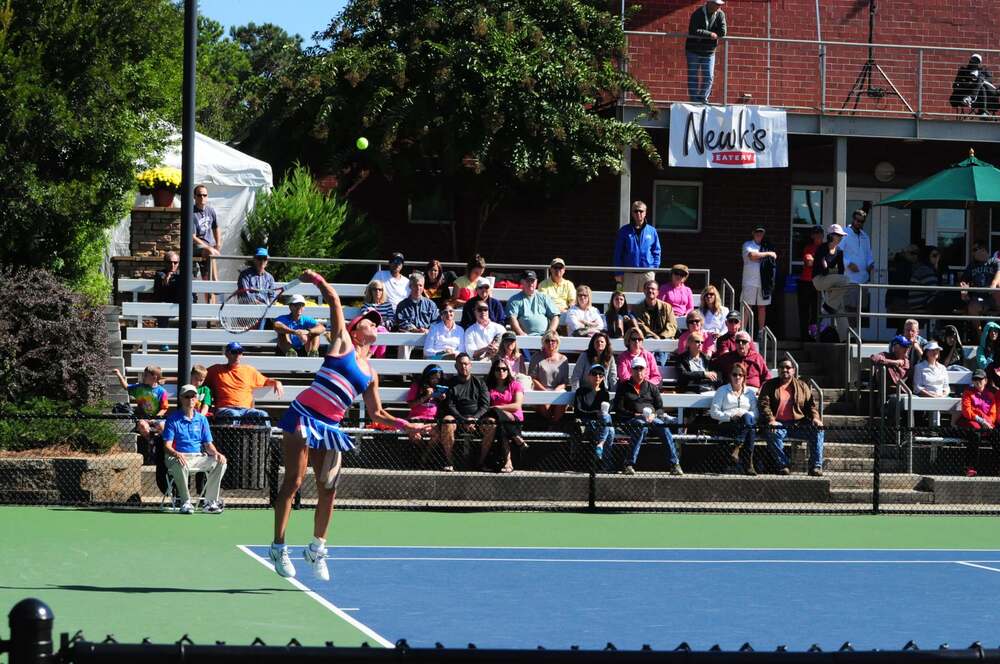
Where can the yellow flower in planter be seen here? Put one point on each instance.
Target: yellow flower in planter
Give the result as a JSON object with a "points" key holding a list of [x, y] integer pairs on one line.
{"points": [[161, 177]]}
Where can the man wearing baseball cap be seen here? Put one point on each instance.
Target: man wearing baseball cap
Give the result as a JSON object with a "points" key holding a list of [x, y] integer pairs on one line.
{"points": [[298, 334], [895, 361], [705, 28], [188, 448], [397, 287], [232, 386], [256, 277], [638, 402], [561, 291], [727, 342], [531, 312], [757, 371]]}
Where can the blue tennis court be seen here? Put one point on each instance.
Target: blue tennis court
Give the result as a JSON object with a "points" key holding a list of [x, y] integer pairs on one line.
{"points": [[558, 597]]}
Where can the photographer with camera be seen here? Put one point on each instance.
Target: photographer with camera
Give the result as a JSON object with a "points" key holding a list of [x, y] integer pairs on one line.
{"points": [[973, 88]]}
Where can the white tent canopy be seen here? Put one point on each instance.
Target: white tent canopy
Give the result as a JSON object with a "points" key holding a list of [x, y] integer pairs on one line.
{"points": [[232, 178]]}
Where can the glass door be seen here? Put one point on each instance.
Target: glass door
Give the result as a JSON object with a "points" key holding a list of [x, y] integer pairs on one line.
{"points": [[890, 233]]}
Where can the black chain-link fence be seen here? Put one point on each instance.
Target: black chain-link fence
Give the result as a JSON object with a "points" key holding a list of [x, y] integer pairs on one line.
{"points": [[102, 461]]}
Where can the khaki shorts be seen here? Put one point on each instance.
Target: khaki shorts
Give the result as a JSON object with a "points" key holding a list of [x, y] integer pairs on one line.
{"points": [[752, 295]]}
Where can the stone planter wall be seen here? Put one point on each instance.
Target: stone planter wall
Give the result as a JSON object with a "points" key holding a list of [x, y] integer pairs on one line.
{"points": [[111, 478]]}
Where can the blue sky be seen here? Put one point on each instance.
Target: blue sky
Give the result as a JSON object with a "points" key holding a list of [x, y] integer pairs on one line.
{"points": [[302, 16]]}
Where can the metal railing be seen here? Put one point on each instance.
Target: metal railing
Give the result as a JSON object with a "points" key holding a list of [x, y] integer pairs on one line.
{"points": [[807, 75]]}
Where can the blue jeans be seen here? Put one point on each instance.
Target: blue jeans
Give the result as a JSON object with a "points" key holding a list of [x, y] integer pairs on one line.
{"points": [[797, 429], [744, 431], [242, 415], [639, 428], [600, 431], [701, 73]]}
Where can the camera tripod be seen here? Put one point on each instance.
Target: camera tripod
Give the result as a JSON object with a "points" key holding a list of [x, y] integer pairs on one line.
{"points": [[863, 85]]}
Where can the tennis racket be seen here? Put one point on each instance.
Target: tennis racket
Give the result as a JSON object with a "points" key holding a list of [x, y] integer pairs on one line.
{"points": [[246, 309]]}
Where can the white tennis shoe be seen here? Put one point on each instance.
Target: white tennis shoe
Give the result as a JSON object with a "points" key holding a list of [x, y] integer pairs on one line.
{"points": [[282, 563], [317, 558]]}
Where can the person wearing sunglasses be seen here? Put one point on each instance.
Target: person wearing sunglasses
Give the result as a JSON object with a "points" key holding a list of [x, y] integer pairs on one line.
{"points": [[756, 367], [788, 408], [167, 284], [734, 407], [637, 403], [207, 238], [502, 422]]}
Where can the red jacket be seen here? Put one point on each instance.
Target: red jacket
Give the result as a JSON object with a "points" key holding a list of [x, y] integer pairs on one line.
{"points": [[982, 405], [757, 371]]}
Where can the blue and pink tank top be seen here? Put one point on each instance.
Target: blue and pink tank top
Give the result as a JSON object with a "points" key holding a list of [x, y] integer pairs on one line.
{"points": [[337, 384]]}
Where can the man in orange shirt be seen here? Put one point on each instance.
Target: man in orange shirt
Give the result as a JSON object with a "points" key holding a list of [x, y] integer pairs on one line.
{"points": [[232, 386]]}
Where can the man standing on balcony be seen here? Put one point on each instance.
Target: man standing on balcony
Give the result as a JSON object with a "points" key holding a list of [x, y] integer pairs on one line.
{"points": [[858, 259], [706, 27]]}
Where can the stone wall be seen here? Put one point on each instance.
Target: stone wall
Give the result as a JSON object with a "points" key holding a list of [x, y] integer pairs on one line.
{"points": [[110, 478]]}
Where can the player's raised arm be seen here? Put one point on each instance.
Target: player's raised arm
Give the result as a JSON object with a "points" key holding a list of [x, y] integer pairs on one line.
{"points": [[339, 337]]}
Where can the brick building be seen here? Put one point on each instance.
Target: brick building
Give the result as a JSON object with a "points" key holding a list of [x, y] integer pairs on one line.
{"points": [[848, 147]]}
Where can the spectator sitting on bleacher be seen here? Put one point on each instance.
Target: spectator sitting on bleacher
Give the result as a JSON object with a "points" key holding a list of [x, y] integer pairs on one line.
{"points": [[530, 312], [727, 342], [167, 284], [150, 400], [592, 407], [424, 398], [952, 353], [188, 447], [397, 287], [678, 294], [464, 285], [734, 407], [637, 402], [756, 367], [788, 408], [484, 289], [632, 353], [416, 313], [298, 334], [559, 290], [654, 317], [204, 399], [988, 342], [696, 324], [375, 299], [983, 271], [504, 418], [713, 311], [693, 374], [445, 339], [434, 282], [930, 378], [465, 403], [549, 371], [512, 355], [979, 420], [598, 352], [482, 338], [619, 317], [256, 277], [583, 319], [895, 361], [232, 386], [911, 330]]}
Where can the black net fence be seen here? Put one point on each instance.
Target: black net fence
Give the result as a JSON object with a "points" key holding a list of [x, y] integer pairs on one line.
{"points": [[626, 465]]}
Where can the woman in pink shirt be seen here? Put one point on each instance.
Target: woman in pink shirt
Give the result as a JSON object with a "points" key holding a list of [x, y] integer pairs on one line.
{"points": [[634, 349], [676, 293], [423, 398], [696, 323], [504, 416]]}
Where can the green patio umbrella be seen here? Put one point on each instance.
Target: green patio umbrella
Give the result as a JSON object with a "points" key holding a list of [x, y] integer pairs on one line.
{"points": [[967, 184]]}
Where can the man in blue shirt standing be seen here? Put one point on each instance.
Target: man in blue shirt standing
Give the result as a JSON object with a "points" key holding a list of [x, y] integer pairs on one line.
{"points": [[298, 334], [637, 245], [188, 448]]}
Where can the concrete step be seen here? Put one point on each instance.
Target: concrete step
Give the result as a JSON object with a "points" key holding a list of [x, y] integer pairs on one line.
{"points": [[856, 421], [888, 481], [891, 496], [834, 450]]}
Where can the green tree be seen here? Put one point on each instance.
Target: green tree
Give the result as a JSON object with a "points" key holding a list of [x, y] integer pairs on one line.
{"points": [[297, 219], [83, 91], [223, 69], [492, 98]]}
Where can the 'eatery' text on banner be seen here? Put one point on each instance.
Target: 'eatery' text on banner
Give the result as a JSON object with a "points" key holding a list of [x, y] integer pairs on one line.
{"points": [[727, 137]]}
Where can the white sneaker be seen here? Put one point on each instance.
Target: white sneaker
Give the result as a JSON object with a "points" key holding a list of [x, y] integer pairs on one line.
{"points": [[282, 563], [212, 508], [187, 508], [317, 558]]}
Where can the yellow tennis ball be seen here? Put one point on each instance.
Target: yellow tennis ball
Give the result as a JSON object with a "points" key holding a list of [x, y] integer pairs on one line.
{"points": [[362, 143]]}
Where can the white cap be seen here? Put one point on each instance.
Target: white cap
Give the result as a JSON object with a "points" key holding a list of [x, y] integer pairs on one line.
{"points": [[717, 2], [187, 389], [297, 299], [639, 361], [836, 229]]}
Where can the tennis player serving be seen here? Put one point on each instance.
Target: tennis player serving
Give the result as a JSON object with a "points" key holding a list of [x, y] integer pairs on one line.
{"points": [[311, 426]]}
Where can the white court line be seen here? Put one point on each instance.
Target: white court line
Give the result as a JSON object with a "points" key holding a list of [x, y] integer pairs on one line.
{"points": [[631, 561], [968, 564], [629, 548], [364, 629]]}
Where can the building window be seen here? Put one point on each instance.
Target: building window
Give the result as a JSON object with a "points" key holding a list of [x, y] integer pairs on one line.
{"points": [[952, 238], [810, 207], [433, 207], [676, 206]]}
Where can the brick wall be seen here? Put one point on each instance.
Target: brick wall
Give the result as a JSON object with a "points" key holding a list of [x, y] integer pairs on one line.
{"points": [[154, 231]]}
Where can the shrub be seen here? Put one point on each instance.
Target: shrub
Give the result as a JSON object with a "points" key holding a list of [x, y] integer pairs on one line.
{"points": [[53, 343], [41, 423], [297, 219]]}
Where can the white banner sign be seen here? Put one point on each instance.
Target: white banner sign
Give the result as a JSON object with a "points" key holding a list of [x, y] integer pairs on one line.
{"points": [[727, 137]]}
